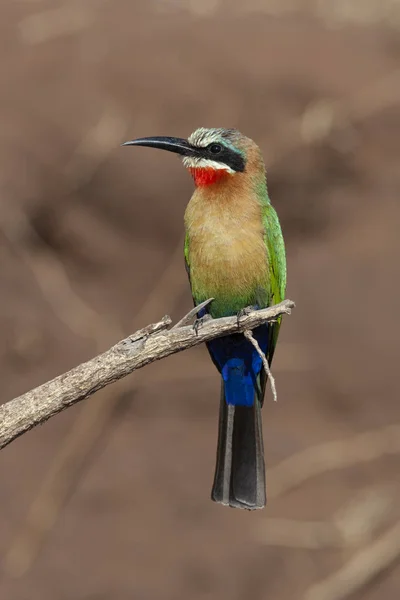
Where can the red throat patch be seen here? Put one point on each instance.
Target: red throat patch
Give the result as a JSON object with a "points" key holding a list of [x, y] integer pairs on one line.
{"points": [[206, 176]]}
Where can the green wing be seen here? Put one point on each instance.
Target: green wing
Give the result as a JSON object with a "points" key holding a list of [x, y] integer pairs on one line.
{"points": [[277, 277], [273, 239]]}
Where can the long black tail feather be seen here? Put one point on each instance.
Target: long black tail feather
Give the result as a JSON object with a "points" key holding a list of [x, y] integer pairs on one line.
{"points": [[240, 471]]}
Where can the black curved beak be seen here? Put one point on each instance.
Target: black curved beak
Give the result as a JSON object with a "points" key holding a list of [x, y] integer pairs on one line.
{"points": [[172, 144]]}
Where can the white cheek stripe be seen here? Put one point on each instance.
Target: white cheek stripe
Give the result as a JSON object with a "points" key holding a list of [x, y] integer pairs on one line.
{"points": [[205, 163]]}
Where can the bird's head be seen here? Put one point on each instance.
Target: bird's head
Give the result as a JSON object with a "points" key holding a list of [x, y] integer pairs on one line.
{"points": [[211, 155]]}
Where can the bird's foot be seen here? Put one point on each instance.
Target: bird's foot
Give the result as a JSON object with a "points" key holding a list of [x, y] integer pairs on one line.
{"points": [[201, 321], [243, 312]]}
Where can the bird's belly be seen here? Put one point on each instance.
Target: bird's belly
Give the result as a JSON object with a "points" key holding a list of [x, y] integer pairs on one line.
{"points": [[231, 269]]}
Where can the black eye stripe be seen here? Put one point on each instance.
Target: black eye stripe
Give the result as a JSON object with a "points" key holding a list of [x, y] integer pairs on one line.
{"points": [[227, 156]]}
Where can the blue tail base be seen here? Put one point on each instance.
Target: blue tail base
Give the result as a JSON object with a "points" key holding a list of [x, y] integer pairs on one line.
{"points": [[239, 364]]}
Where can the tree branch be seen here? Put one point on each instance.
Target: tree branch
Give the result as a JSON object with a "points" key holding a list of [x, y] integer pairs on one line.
{"points": [[138, 350]]}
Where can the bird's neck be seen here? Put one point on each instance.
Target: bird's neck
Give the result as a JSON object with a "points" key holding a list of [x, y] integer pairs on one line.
{"points": [[227, 203], [219, 187], [203, 176]]}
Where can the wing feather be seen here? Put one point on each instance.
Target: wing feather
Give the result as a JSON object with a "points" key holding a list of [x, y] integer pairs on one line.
{"points": [[277, 268]]}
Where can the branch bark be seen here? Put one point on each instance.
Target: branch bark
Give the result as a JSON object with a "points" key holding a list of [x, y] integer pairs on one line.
{"points": [[147, 345]]}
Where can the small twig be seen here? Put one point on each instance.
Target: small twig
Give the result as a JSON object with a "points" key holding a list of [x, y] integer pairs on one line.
{"points": [[293, 533], [352, 525], [364, 515], [38, 405], [362, 568], [187, 318], [328, 456], [249, 335]]}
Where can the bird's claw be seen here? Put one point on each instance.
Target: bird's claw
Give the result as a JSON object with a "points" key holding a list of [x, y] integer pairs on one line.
{"points": [[243, 312], [201, 321]]}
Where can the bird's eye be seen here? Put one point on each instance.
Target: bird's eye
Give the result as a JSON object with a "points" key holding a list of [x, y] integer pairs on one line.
{"points": [[215, 148]]}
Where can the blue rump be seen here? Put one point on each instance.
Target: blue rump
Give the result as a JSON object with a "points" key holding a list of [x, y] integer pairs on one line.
{"points": [[239, 364]]}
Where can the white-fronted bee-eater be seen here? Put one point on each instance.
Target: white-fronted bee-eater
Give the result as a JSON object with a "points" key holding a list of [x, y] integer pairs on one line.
{"points": [[234, 253]]}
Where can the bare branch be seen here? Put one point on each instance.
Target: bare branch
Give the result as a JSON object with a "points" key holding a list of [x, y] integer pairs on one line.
{"points": [[145, 346]]}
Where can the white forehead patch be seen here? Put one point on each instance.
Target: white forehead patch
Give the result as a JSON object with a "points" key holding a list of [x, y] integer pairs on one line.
{"points": [[203, 137], [191, 162]]}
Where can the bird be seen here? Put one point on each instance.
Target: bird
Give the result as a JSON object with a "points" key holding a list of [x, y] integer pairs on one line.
{"points": [[234, 253]]}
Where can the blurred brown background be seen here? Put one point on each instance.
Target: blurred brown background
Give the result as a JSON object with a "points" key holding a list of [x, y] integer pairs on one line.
{"points": [[110, 500]]}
